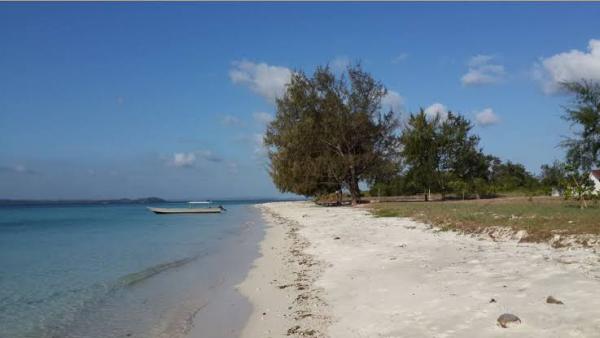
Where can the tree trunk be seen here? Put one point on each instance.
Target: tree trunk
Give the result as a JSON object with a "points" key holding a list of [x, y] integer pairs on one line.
{"points": [[582, 203], [353, 187], [426, 195], [354, 192]]}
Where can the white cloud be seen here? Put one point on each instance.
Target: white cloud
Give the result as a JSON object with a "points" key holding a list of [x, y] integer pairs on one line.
{"points": [[229, 120], [486, 117], [482, 71], [573, 65], [262, 117], [340, 63], [400, 58], [189, 159], [392, 101], [183, 160], [437, 109], [263, 79]]}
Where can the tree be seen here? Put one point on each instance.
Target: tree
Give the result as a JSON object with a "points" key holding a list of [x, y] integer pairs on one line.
{"points": [[461, 156], [329, 133], [420, 150], [578, 184], [441, 154], [553, 176], [583, 114], [584, 147], [510, 176]]}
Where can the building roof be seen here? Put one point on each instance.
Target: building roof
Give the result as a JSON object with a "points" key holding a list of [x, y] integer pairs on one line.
{"points": [[596, 174]]}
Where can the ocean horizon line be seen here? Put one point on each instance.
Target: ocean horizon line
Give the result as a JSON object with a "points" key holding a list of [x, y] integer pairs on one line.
{"points": [[142, 200]]}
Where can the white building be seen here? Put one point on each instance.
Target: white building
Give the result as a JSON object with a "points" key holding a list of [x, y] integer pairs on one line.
{"points": [[595, 177]]}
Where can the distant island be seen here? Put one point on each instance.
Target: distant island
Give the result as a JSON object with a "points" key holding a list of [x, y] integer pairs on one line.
{"points": [[145, 200]]}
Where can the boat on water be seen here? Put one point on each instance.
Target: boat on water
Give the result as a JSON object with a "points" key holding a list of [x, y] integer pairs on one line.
{"points": [[191, 209]]}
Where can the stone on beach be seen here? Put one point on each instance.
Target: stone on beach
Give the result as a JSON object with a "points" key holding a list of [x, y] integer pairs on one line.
{"points": [[552, 300], [508, 318]]}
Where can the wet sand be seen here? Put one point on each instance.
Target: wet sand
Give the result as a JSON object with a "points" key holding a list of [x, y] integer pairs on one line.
{"points": [[340, 272]]}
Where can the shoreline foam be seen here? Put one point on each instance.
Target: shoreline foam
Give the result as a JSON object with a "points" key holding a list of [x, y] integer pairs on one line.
{"points": [[394, 277]]}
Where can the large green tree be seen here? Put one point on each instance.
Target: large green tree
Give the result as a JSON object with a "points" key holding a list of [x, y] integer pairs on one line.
{"points": [[330, 132], [583, 149], [462, 161], [420, 150], [441, 153]]}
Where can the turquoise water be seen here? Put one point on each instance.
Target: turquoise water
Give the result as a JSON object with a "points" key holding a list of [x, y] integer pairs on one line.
{"points": [[122, 271]]}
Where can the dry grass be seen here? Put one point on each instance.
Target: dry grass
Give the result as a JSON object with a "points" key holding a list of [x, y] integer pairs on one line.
{"points": [[541, 217]]}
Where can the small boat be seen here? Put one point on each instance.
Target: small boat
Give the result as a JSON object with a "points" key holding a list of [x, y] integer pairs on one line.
{"points": [[189, 209]]}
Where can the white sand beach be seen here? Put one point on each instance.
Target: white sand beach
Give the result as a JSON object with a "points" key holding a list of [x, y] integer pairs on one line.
{"points": [[340, 272]]}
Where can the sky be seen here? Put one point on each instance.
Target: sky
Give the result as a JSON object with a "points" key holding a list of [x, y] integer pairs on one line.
{"points": [[110, 100]]}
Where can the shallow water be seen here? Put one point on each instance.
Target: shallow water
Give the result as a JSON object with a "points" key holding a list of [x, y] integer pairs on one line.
{"points": [[121, 271]]}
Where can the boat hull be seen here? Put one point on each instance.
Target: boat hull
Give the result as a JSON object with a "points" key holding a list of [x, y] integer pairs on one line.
{"points": [[167, 211]]}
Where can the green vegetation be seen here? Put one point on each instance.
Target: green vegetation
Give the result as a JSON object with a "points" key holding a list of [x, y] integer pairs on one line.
{"points": [[541, 217], [442, 156], [329, 134], [584, 147]]}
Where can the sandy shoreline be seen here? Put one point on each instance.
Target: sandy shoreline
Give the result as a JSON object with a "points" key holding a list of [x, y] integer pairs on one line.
{"points": [[339, 272], [281, 285]]}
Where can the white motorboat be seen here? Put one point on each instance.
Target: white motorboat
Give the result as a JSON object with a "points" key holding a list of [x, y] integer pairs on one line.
{"points": [[190, 209]]}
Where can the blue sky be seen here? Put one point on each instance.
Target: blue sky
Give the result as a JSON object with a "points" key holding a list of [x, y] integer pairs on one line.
{"points": [[124, 100]]}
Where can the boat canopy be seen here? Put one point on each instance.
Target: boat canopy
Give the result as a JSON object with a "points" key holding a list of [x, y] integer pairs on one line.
{"points": [[202, 202]]}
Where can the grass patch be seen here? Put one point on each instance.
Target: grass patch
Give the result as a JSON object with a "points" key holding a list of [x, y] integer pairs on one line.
{"points": [[541, 217]]}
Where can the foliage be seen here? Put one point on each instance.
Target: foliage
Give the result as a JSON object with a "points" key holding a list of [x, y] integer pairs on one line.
{"points": [[553, 176], [582, 149], [510, 176], [329, 133], [579, 184], [442, 155], [583, 114], [420, 150]]}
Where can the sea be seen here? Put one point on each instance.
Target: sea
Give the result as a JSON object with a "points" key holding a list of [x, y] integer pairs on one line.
{"points": [[121, 271]]}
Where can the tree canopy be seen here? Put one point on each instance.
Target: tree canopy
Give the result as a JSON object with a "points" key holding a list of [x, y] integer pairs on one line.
{"points": [[330, 133], [584, 115], [441, 154], [583, 149]]}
